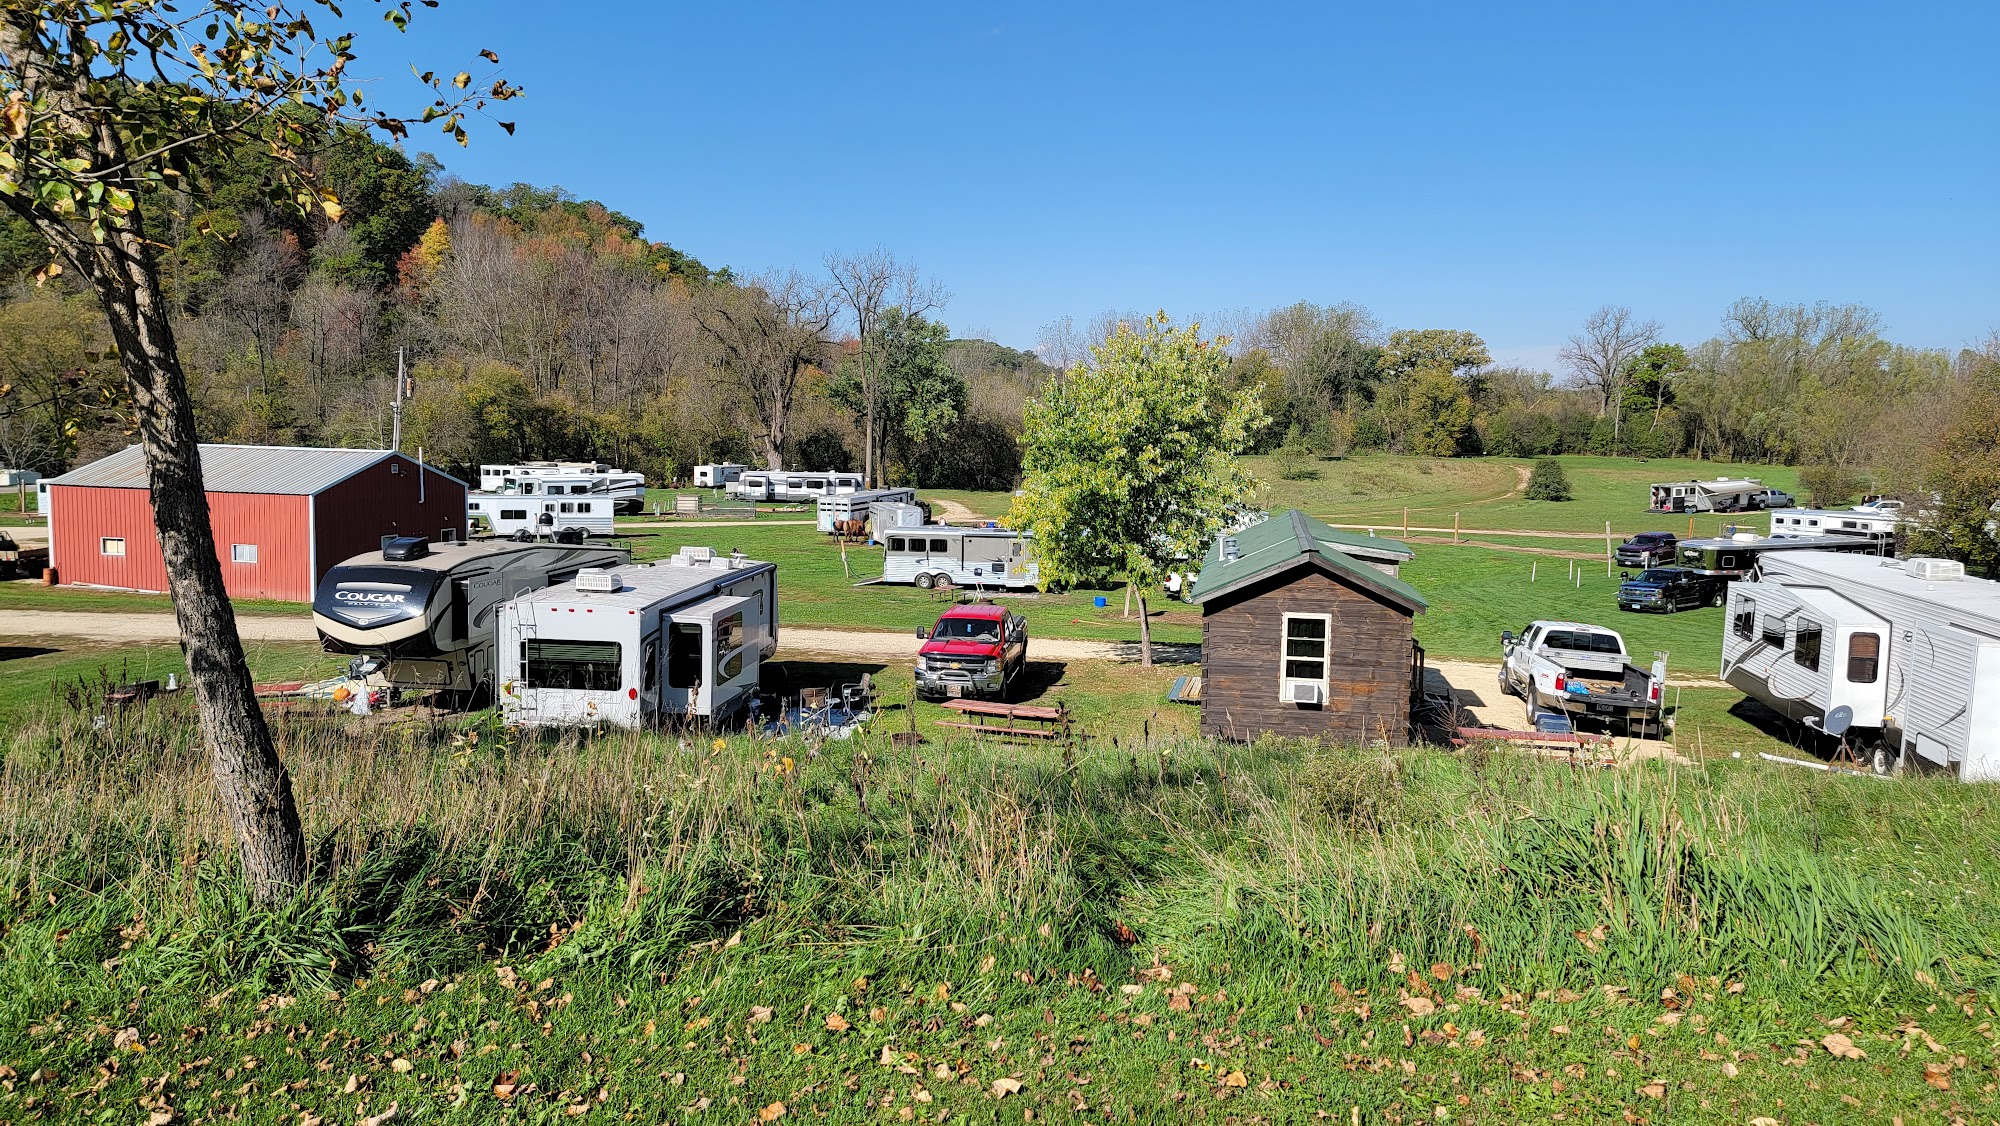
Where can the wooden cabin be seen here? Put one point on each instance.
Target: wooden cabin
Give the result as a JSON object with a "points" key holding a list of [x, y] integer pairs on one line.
{"points": [[1301, 638]]}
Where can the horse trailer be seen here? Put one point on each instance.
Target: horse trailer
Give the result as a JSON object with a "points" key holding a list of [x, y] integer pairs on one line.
{"points": [[1866, 524], [1901, 659], [677, 641], [534, 515], [719, 475], [1735, 555], [625, 491], [784, 485], [837, 509], [937, 555], [425, 612]]}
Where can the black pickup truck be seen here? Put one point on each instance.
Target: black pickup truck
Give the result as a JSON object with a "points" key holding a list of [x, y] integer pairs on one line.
{"points": [[1668, 589]]}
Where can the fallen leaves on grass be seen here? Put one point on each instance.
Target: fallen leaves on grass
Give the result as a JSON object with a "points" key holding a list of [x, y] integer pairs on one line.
{"points": [[1841, 1047], [1657, 1089], [760, 1014], [1420, 1006], [503, 1088], [836, 1023], [771, 1113], [1236, 1079], [1004, 1086], [379, 1119], [1938, 1075]]}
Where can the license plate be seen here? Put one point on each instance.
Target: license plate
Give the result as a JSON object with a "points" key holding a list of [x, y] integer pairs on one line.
{"points": [[1600, 707], [954, 690]]}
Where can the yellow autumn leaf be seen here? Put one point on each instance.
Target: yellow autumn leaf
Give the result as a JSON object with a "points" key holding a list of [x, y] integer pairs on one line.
{"points": [[771, 1113], [1236, 1079]]}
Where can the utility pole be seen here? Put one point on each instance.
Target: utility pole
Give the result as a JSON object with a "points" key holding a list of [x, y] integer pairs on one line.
{"points": [[396, 408]]}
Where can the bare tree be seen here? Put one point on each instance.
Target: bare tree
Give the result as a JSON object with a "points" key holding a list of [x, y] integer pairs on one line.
{"points": [[767, 335], [866, 286], [1597, 356]]}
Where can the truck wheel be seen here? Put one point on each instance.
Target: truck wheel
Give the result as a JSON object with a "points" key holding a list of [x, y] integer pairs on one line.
{"points": [[1534, 707], [1718, 598], [926, 581], [1506, 686]]}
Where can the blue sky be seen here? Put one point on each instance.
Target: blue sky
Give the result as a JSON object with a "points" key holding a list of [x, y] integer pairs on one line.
{"points": [[1502, 168]]}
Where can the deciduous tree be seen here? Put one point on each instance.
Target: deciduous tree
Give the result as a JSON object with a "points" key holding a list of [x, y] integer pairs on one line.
{"points": [[1131, 459]]}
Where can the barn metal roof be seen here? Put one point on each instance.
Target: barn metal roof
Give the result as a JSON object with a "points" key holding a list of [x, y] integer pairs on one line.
{"points": [[281, 470], [1266, 548]]}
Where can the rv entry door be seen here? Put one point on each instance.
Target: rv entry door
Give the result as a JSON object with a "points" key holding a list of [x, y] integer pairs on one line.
{"points": [[710, 665]]}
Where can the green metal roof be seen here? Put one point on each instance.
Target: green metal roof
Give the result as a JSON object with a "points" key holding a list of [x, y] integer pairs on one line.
{"points": [[1292, 537]]}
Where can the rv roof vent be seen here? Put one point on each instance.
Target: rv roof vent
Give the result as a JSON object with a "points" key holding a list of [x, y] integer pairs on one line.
{"points": [[597, 580], [1228, 549], [402, 549], [1745, 537], [1935, 570]]}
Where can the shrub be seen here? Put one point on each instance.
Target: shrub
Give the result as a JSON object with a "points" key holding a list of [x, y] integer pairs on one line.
{"points": [[1355, 793], [1294, 459], [1548, 481]]}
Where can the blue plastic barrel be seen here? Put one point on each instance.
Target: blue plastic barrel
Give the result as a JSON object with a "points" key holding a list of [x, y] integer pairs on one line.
{"points": [[1100, 602]]}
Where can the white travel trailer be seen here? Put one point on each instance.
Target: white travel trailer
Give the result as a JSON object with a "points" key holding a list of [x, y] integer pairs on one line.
{"points": [[936, 555], [535, 515], [719, 475], [626, 491], [1724, 494], [840, 508], [676, 641], [1866, 523], [425, 613], [1899, 657], [787, 485]]}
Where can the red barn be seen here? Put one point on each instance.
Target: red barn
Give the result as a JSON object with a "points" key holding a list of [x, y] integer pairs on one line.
{"points": [[282, 516]]}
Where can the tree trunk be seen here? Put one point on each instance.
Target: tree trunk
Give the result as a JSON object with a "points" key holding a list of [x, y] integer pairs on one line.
{"points": [[1145, 636], [255, 789]]}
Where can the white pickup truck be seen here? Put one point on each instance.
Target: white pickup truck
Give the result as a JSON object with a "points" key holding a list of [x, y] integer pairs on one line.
{"points": [[1581, 670]]}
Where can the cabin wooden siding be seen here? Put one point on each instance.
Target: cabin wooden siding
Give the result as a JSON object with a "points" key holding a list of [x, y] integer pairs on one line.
{"points": [[1371, 650]]}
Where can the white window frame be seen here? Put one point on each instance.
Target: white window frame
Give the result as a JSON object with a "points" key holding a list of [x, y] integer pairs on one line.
{"points": [[1325, 678], [104, 546], [236, 552]]}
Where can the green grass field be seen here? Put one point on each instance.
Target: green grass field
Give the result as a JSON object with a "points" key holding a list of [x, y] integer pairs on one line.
{"points": [[35, 673]]}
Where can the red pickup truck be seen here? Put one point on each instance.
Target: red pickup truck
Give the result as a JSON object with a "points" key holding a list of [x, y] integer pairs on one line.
{"points": [[975, 649]]}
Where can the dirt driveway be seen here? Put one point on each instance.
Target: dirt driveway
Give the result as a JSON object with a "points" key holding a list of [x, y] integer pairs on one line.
{"points": [[1477, 689]]}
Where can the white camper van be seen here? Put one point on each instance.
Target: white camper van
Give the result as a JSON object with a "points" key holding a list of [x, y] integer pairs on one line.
{"points": [[718, 476], [424, 612], [836, 509], [790, 486], [684, 639], [936, 555], [1899, 657]]}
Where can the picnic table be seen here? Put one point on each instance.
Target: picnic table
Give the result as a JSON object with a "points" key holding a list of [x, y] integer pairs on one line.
{"points": [[1012, 719], [1573, 741]]}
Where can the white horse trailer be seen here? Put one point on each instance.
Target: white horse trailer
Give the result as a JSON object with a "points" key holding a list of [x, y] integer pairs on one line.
{"points": [[1789, 522], [626, 491], [982, 558], [719, 475], [424, 612], [786, 485], [676, 641], [1901, 658], [1723, 494], [841, 508], [535, 515]]}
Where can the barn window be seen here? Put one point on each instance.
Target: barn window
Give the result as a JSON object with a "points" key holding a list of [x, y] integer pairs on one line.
{"points": [[1745, 625], [1864, 657], [242, 553], [1806, 650], [1305, 659], [111, 545]]}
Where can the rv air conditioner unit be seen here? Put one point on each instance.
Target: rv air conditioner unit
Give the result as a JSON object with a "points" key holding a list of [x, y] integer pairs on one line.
{"points": [[1302, 692], [597, 580], [691, 555], [1935, 570]]}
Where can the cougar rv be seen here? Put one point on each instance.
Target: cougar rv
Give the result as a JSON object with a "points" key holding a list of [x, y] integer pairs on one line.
{"points": [[1900, 658], [680, 640], [425, 612]]}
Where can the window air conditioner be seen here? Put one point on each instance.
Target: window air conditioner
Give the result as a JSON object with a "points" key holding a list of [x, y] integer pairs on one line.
{"points": [[1304, 692]]}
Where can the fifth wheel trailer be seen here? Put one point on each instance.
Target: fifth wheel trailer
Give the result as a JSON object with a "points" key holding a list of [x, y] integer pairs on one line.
{"points": [[425, 612], [678, 641], [1900, 658]]}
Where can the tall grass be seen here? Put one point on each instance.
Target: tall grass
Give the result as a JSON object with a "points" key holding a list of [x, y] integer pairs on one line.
{"points": [[442, 846]]}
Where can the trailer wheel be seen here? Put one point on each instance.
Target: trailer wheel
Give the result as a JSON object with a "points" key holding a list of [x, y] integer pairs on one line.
{"points": [[926, 581], [1881, 760]]}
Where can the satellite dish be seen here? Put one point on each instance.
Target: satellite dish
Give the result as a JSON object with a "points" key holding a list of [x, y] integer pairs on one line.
{"points": [[1838, 720]]}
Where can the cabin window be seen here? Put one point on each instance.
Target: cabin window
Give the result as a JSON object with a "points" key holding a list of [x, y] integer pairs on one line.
{"points": [[111, 545], [242, 553], [567, 507], [1745, 625], [513, 514], [474, 506], [579, 489], [1805, 651], [1305, 646], [817, 483], [1864, 657], [575, 666]]}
